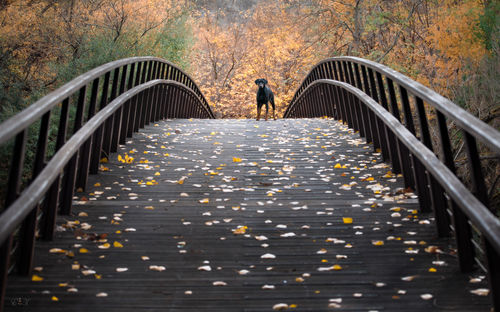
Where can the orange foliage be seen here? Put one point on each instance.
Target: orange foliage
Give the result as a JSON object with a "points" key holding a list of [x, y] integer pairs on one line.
{"points": [[269, 44]]}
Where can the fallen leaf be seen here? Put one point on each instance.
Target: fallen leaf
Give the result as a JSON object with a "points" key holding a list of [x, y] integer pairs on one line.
{"points": [[36, 278], [280, 306]]}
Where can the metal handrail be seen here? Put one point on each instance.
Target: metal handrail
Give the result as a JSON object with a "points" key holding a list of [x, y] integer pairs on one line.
{"points": [[11, 218], [435, 181], [478, 213], [15, 124], [464, 119], [77, 103]]}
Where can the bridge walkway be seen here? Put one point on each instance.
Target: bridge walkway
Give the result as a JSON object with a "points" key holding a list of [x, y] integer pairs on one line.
{"points": [[239, 215]]}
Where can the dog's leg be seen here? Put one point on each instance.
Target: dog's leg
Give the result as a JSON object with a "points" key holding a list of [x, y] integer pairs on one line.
{"points": [[274, 107], [258, 112], [267, 110]]}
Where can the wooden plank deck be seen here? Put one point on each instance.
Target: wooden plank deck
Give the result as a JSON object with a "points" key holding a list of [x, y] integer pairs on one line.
{"points": [[312, 236]]}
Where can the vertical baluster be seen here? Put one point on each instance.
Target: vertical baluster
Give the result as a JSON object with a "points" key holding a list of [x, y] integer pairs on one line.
{"points": [[84, 160], [143, 121], [154, 104], [121, 130], [356, 113], [13, 190], [165, 102], [404, 156], [335, 70], [480, 191], [373, 86], [134, 77], [330, 74], [140, 99], [347, 75], [365, 115], [69, 176], [388, 134], [422, 189], [403, 160], [341, 104], [425, 135], [358, 76], [407, 110], [352, 78], [152, 97], [98, 134], [324, 111], [71, 168], [5, 251], [118, 115], [380, 134], [381, 88], [318, 105], [350, 118], [330, 101], [393, 100], [340, 71], [63, 124], [52, 204], [109, 125], [366, 85], [28, 230]]}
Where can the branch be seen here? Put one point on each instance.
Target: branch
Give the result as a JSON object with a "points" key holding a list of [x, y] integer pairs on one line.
{"points": [[398, 34]]}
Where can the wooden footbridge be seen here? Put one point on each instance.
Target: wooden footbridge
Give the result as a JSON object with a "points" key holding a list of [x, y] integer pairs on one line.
{"points": [[133, 199]]}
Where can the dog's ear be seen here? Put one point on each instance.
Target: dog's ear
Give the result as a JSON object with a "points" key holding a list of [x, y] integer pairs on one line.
{"points": [[264, 81], [257, 81]]}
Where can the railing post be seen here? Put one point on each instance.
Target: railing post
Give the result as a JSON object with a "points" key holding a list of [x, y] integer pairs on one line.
{"points": [[480, 191], [461, 227], [13, 189], [28, 229], [71, 170], [85, 150], [127, 80], [120, 118], [109, 125], [98, 135]]}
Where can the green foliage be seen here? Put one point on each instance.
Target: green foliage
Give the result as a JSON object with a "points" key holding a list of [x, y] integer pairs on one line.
{"points": [[489, 23], [171, 43]]}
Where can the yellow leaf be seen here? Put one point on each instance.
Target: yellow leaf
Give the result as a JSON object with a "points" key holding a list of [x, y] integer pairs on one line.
{"points": [[36, 278], [377, 243], [97, 184], [236, 159], [204, 201], [240, 230], [338, 166], [54, 298], [432, 270], [83, 250], [347, 220], [117, 245]]}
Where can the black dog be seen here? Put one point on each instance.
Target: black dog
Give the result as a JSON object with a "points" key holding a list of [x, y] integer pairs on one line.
{"points": [[264, 95]]}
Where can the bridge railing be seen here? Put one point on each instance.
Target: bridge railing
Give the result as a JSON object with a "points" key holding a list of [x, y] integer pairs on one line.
{"points": [[457, 209], [74, 128]]}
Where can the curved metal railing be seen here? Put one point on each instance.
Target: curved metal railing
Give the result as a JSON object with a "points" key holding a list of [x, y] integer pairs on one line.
{"points": [[73, 133], [439, 190]]}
